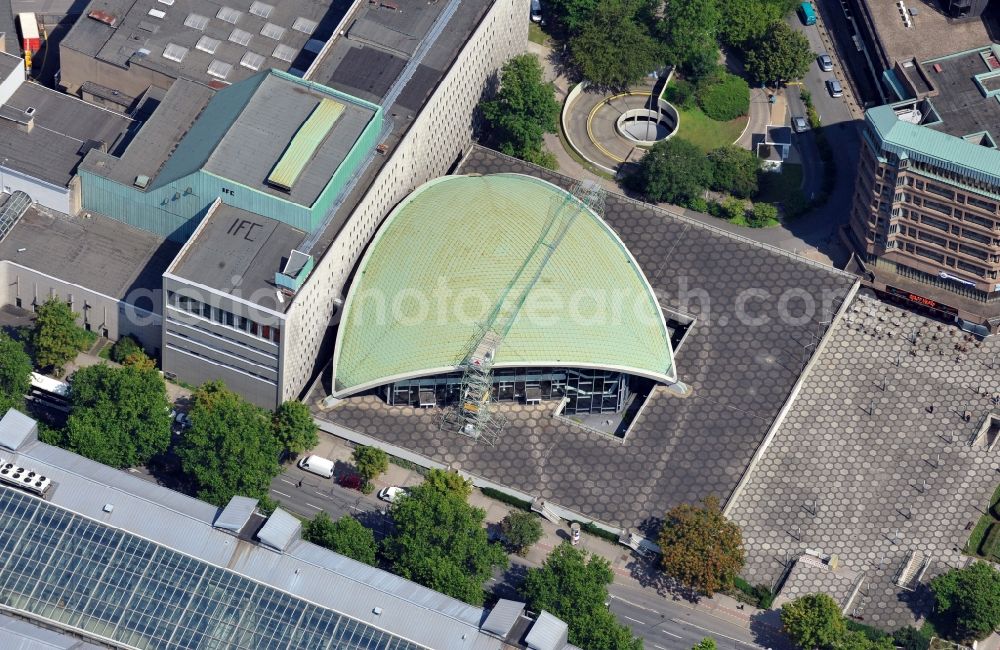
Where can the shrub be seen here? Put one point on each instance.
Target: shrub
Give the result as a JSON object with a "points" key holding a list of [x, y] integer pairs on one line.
{"points": [[734, 208], [910, 638], [124, 348], [698, 204], [597, 531], [763, 215], [734, 171], [796, 205], [521, 530], [503, 497], [715, 209], [759, 596], [724, 97], [680, 93]]}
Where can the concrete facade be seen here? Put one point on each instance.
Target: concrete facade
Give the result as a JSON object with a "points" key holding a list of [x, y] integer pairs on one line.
{"points": [[435, 140]]}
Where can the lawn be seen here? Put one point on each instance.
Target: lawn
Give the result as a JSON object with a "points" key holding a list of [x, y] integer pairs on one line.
{"points": [[972, 547], [777, 187], [536, 35], [706, 133]]}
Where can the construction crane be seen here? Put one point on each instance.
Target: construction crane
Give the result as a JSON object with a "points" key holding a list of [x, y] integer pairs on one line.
{"points": [[474, 415]]}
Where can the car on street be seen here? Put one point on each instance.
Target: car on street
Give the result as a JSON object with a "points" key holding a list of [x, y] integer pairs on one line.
{"points": [[825, 62], [317, 465], [536, 11], [800, 124], [834, 87], [392, 493]]}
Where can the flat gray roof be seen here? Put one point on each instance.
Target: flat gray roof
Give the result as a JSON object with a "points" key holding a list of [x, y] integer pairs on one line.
{"points": [[959, 102], [304, 570], [64, 130], [255, 142], [96, 252], [9, 62], [16, 428], [235, 251], [141, 38], [22, 634], [157, 137], [932, 33]]}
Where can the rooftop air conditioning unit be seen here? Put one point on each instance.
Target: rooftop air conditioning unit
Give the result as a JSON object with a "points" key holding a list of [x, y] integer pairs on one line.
{"points": [[24, 478]]}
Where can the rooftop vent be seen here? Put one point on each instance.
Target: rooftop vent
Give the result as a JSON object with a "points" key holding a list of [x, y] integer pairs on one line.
{"points": [[196, 21], [24, 478], [142, 181], [219, 69], [108, 508], [208, 44], [252, 60], [169, 3], [240, 37], [110, 20], [174, 52], [284, 52], [156, 13]]}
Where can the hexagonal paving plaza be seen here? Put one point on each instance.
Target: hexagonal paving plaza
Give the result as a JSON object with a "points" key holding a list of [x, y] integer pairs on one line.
{"points": [[877, 459], [759, 314]]}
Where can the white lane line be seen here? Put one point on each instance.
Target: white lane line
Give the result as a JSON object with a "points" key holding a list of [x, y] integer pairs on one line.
{"points": [[749, 643], [634, 620], [657, 645], [628, 602], [281, 493], [312, 506], [285, 480], [676, 636]]}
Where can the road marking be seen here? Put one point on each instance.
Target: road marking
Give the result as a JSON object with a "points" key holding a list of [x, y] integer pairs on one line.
{"points": [[281, 493], [312, 506], [657, 645], [676, 636], [285, 480], [628, 602], [749, 643], [321, 494], [634, 620]]}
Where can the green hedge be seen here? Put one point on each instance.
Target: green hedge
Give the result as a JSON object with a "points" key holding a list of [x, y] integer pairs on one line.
{"points": [[990, 548], [506, 498], [872, 633], [724, 97], [597, 531], [759, 596]]}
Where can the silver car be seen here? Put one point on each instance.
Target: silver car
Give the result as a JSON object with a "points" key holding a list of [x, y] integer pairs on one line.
{"points": [[836, 90], [799, 124], [825, 62]]}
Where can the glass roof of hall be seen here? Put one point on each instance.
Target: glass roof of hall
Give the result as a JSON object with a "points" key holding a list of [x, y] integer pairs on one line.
{"points": [[80, 574]]}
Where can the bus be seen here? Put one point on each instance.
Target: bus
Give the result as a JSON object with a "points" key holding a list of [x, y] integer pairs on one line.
{"points": [[807, 13]]}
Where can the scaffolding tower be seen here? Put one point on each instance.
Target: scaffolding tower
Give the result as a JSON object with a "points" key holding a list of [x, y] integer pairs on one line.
{"points": [[475, 415]]}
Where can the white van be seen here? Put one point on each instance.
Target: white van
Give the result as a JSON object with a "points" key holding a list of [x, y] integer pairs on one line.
{"points": [[317, 465]]}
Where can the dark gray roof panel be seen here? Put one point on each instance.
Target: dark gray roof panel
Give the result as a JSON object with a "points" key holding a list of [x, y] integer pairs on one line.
{"points": [[53, 147]]}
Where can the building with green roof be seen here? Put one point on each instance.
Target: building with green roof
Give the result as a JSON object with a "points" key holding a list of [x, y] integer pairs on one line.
{"points": [[924, 220], [514, 258]]}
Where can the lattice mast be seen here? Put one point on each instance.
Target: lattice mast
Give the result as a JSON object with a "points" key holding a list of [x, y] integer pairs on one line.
{"points": [[475, 415]]}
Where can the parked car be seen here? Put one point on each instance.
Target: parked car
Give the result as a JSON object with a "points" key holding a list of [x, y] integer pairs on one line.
{"points": [[825, 62], [834, 87], [317, 465], [799, 124], [392, 493], [536, 11], [807, 14]]}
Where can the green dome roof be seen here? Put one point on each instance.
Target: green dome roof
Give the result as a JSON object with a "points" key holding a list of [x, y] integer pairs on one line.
{"points": [[509, 253]]}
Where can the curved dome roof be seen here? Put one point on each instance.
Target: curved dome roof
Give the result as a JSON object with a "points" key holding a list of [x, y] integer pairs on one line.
{"points": [[509, 253]]}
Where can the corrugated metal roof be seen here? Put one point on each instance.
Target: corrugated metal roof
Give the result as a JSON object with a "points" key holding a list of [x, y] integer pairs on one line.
{"points": [[924, 144], [279, 530], [236, 514], [19, 634], [305, 143], [16, 430], [503, 616], [548, 633]]}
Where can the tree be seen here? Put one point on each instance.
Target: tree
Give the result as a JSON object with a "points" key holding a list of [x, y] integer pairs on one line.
{"points": [[614, 50], [56, 337], [689, 29], [571, 16], [724, 96], [574, 587], [15, 374], [814, 621], [294, 427], [370, 462], [700, 547], [521, 530], [440, 542], [448, 481], [970, 599], [674, 171], [230, 448], [523, 111], [345, 536], [119, 416], [125, 347], [744, 21], [781, 54], [708, 643], [734, 170]]}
